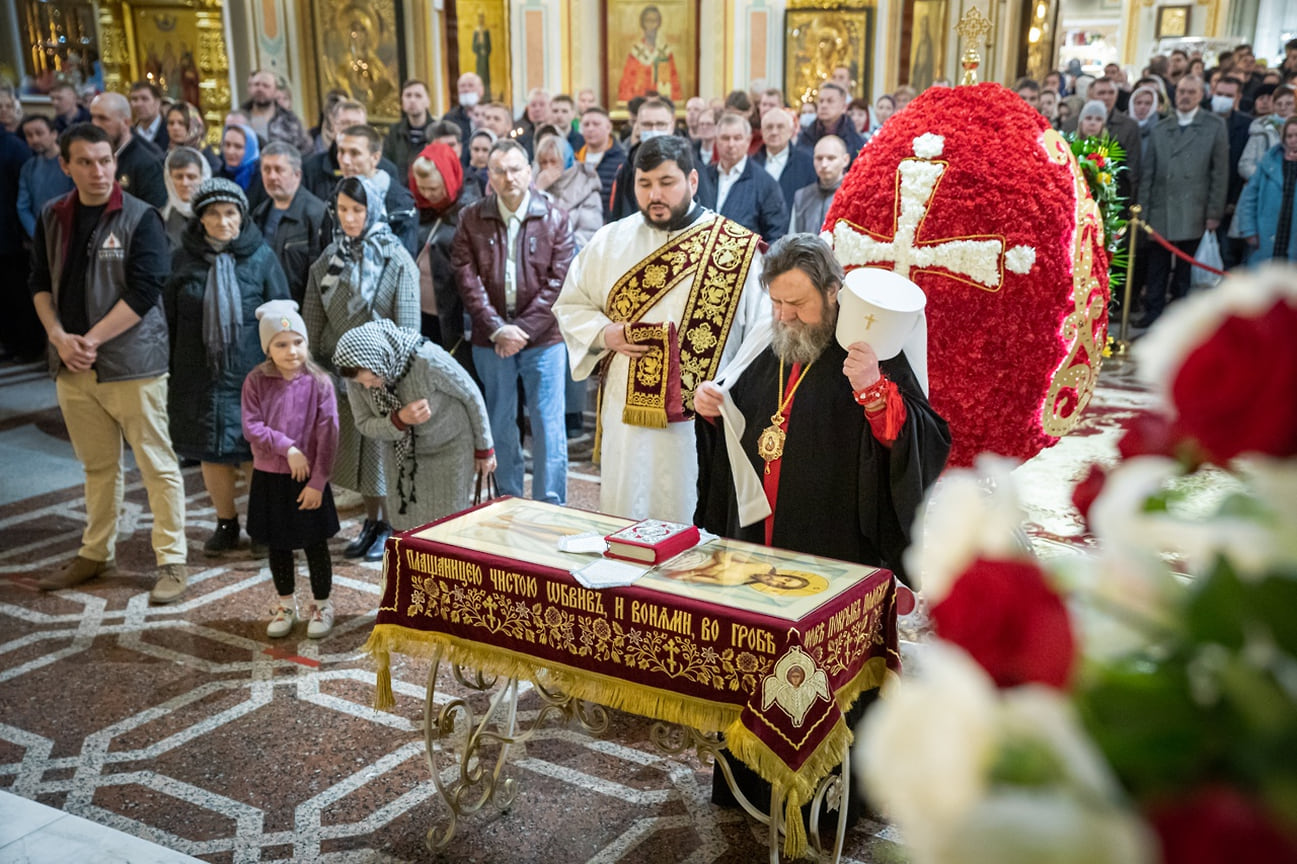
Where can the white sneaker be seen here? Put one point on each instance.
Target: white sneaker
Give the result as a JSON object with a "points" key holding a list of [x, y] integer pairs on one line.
{"points": [[282, 619], [320, 618]]}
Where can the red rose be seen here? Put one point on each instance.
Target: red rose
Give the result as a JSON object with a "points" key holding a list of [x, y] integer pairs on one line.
{"points": [[1008, 618], [1148, 435], [1098, 160], [1084, 493], [1234, 392], [1217, 824]]}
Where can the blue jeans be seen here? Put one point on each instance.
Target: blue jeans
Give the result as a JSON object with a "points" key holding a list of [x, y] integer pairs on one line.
{"points": [[541, 371]]}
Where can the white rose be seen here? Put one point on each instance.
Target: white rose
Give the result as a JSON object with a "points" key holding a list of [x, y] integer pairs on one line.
{"points": [[969, 514], [1044, 826], [925, 749]]}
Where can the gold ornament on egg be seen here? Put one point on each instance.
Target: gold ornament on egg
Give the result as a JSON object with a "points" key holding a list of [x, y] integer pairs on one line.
{"points": [[974, 27]]}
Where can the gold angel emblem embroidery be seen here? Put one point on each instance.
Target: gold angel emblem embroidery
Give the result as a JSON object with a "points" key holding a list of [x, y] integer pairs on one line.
{"points": [[794, 685]]}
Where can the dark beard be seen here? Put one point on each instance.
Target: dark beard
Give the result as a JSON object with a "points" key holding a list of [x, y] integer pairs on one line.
{"points": [[802, 343], [680, 217], [261, 104]]}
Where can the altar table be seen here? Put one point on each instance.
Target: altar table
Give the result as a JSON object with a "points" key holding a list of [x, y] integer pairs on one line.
{"points": [[766, 646]]}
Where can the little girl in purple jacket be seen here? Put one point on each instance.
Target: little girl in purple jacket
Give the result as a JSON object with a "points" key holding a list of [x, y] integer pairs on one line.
{"points": [[290, 417]]}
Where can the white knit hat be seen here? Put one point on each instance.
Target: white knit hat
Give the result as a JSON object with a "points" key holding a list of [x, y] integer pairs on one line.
{"points": [[278, 316]]}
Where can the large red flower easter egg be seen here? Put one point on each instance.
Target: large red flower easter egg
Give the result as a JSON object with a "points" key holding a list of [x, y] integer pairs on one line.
{"points": [[969, 193]]}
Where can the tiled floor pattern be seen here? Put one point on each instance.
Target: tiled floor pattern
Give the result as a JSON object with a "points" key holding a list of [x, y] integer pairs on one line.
{"points": [[185, 726]]}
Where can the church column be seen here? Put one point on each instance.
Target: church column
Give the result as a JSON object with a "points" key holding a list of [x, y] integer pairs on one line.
{"points": [[538, 34], [114, 54], [713, 75], [757, 35]]}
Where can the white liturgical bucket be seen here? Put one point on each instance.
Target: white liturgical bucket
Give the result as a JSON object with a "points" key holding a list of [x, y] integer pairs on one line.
{"points": [[879, 307]]}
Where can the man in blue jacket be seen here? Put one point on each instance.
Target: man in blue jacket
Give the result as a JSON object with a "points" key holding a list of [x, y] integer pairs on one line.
{"points": [[741, 189]]}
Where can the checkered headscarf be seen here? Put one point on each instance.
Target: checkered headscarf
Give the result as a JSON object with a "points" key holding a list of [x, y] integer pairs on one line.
{"points": [[387, 351]]}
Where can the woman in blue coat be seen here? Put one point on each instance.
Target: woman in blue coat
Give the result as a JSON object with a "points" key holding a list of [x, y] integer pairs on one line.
{"points": [[1267, 209], [221, 273]]}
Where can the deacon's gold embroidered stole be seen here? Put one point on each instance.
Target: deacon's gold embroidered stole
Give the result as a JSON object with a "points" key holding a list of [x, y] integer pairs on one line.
{"points": [[716, 256]]}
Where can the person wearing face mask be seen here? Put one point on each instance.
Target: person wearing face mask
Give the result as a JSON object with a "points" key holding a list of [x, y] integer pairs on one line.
{"points": [[1263, 134], [219, 276], [186, 169], [1225, 96], [471, 92], [1267, 210], [655, 118]]}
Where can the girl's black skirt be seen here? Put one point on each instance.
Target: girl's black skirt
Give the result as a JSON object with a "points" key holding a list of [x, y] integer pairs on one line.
{"points": [[274, 518]]}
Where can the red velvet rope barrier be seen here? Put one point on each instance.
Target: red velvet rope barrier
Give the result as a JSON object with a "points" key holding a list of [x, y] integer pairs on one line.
{"points": [[1166, 244]]}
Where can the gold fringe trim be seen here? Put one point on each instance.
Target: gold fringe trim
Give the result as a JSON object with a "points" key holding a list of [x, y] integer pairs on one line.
{"points": [[871, 676], [617, 693], [652, 418], [383, 698], [799, 786], [794, 830]]}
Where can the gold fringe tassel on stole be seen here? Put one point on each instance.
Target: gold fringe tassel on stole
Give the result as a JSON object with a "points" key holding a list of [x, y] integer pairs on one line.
{"points": [[597, 453], [613, 692], [651, 418]]}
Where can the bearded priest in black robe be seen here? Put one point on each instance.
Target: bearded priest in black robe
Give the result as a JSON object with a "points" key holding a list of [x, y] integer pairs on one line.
{"points": [[845, 446]]}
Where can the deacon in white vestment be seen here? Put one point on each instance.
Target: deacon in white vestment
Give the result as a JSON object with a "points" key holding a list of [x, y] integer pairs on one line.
{"points": [[673, 262]]}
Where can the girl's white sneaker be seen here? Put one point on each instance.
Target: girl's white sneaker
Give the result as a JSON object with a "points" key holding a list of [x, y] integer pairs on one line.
{"points": [[282, 619], [320, 619]]}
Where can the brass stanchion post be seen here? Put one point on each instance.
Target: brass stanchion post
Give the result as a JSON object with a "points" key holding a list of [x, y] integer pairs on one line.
{"points": [[1133, 227]]}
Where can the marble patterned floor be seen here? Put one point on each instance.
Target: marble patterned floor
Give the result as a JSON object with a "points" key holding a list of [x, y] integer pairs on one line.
{"points": [[186, 727]]}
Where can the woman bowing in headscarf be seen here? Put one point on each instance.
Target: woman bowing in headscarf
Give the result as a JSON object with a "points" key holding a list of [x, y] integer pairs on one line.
{"points": [[219, 276], [408, 393], [364, 275], [437, 182]]}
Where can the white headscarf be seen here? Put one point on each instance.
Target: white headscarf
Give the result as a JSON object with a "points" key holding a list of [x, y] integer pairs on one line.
{"points": [[1152, 112], [184, 208]]}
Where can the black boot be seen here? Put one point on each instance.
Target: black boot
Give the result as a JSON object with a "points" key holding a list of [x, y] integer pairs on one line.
{"points": [[375, 551], [361, 544], [224, 539]]}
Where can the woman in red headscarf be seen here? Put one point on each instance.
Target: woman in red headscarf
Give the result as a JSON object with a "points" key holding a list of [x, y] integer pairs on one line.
{"points": [[436, 180]]}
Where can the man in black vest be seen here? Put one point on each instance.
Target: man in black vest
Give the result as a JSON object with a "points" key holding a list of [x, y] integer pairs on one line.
{"points": [[99, 258]]}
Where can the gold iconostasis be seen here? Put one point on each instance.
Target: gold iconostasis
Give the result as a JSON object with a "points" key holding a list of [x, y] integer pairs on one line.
{"points": [[202, 51]]}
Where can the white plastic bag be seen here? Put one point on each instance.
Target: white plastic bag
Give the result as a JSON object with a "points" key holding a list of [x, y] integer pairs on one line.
{"points": [[1208, 253]]}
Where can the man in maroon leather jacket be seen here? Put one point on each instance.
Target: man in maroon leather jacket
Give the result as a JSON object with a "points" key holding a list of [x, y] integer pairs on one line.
{"points": [[510, 254]]}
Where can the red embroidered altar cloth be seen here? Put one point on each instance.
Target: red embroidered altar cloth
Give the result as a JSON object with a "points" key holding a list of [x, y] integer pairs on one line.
{"points": [[769, 647]]}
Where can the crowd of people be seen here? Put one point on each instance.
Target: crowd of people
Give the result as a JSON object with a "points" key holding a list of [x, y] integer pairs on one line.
{"points": [[391, 312], [1207, 150]]}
